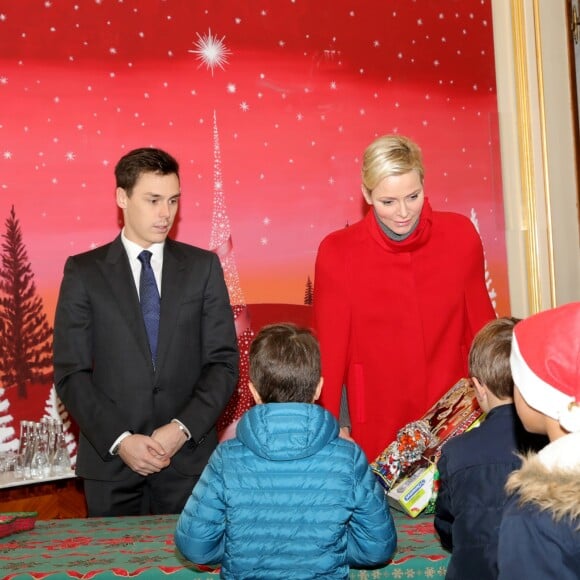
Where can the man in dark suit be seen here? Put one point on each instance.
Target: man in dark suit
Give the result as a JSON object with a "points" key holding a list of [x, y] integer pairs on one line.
{"points": [[146, 398]]}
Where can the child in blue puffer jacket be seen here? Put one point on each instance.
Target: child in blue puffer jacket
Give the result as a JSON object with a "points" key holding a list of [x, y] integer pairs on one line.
{"points": [[287, 498]]}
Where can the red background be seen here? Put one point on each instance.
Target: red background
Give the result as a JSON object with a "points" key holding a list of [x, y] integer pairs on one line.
{"points": [[304, 87]]}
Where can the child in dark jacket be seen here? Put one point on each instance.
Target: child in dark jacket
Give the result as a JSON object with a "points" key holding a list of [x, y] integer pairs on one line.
{"points": [[474, 467], [539, 536], [287, 498]]}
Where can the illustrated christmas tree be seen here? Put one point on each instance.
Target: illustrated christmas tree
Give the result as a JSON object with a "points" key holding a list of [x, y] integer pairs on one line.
{"points": [[488, 281], [8, 439], [212, 52], [309, 292], [221, 243], [25, 335], [54, 409]]}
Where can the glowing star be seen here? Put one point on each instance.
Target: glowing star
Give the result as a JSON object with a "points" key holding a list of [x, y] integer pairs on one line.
{"points": [[70, 156], [211, 51]]}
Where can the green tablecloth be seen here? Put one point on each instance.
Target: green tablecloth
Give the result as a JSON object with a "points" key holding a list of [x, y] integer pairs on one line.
{"points": [[142, 547]]}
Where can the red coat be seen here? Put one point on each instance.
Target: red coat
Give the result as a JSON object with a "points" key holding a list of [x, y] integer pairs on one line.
{"points": [[395, 320]]}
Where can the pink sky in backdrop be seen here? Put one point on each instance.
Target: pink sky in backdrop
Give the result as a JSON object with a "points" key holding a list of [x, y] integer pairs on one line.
{"points": [[306, 86]]}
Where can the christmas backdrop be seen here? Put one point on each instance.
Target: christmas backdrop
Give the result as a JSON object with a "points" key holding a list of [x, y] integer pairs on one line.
{"points": [[268, 106]]}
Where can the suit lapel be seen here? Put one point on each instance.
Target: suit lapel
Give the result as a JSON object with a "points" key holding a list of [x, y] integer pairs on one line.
{"points": [[118, 273]]}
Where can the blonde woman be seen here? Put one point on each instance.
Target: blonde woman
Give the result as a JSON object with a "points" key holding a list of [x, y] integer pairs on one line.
{"points": [[398, 298]]}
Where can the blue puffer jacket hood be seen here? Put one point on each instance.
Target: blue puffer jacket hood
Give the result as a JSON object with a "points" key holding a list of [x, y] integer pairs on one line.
{"points": [[285, 431], [287, 498]]}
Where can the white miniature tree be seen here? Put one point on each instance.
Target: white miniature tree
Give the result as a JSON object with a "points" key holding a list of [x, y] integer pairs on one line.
{"points": [[8, 439]]}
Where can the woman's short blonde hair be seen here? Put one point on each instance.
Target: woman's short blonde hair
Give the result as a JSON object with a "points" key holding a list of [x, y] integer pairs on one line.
{"points": [[390, 155]]}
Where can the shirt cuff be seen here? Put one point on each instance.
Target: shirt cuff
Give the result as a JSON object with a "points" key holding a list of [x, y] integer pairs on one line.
{"points": [[185, 430], [114, 450]]}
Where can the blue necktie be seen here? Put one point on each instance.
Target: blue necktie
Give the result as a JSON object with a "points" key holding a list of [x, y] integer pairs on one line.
{"points": [[150, 301]]}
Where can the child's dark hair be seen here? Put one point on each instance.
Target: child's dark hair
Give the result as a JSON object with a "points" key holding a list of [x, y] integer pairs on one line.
{"points": [[285, 364], [489, 356]]}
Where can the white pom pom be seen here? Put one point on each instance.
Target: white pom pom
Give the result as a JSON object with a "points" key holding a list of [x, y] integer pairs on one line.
{"points": [[570, 417]]}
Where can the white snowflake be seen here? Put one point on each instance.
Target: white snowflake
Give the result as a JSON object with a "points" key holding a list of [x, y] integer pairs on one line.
{"points": [[244, 106], [70, 156], [266, 221], [3, 80], [211, 51]]}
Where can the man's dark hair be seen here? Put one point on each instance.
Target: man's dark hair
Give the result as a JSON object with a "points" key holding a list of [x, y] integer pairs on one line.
{"points": [[144, 160], [285, 364]]}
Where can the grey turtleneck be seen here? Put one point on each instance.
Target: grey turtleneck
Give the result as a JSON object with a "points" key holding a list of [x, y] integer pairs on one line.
{"points": [[393, 235]]}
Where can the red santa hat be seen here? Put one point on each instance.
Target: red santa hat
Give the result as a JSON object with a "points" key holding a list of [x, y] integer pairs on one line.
{"points": [[545, 363]]}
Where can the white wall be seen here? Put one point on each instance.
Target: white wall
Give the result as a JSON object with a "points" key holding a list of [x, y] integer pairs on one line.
{"points": [[540, 181]]}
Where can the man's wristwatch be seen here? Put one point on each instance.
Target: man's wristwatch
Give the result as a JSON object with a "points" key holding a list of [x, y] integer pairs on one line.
{"points": [[122, 437]]}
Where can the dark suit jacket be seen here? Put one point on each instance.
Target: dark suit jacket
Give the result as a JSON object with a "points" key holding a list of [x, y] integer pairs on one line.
{"points": [[473, 470], [102, 364]]}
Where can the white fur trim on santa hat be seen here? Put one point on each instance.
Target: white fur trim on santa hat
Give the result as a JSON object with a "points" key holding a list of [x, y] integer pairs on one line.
{"points": [[542, 396]]}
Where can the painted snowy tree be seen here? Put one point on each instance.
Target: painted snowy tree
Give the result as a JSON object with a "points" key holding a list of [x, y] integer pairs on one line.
{"points": [[309, 292], [212, 52], [25, 335], [488, 281], [54, 409], [8, 439]]}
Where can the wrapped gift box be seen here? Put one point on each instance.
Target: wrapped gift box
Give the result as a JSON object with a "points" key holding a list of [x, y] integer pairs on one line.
{"points": [[413, 493], [407, 467]]}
